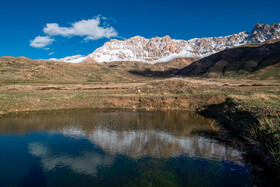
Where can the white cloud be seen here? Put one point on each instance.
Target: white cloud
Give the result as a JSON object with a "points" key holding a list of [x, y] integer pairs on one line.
{"points": [[41, 41], [90, 29], [51, 53]]}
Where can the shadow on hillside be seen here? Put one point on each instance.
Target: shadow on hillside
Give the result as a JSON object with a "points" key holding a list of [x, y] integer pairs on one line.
{"points": [[229, 115], [154, 73], [239, 61]]}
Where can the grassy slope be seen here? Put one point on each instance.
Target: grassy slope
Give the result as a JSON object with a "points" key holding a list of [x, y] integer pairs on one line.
{"points": [[33, 85]]}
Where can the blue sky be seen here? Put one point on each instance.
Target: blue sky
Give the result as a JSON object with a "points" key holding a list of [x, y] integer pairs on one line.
{"points": [[23, 20]]}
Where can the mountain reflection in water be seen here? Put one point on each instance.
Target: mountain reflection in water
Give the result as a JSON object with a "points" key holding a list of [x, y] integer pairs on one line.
{"points": [[106, 143], [134, 134]]}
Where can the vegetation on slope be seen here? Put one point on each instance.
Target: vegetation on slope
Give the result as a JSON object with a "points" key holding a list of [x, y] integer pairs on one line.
{"points": [[260, 134]]}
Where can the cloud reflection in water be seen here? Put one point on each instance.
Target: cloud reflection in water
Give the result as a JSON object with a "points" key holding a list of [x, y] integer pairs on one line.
{"points": [[86, 163]]}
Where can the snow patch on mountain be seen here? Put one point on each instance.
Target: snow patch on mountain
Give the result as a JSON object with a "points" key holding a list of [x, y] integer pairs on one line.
{"points": [[74, 59]]}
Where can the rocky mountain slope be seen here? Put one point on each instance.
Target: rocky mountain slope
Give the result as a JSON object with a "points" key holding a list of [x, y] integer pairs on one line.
{"points": [[258, 61], [165, 49]]}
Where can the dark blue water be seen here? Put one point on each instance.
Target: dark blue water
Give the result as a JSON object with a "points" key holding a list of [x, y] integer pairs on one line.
{"points": [[89, 148]]}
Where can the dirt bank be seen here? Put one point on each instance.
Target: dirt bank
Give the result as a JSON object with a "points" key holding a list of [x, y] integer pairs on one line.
{"points": [[190, 103]]}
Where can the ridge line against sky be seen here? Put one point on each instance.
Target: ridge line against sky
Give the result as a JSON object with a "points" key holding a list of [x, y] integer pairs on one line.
{"points": [[58, 28]]}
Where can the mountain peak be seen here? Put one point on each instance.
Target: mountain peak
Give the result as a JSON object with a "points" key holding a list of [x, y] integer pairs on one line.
{"points": [[263, 32], [137, 38], [167, 37]]}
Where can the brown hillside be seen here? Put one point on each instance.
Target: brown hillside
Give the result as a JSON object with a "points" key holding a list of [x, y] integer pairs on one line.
{"points": [[241, 61]]}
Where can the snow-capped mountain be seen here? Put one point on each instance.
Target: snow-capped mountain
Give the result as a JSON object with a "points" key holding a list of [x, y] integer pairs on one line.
{"points": [[165, 49]]}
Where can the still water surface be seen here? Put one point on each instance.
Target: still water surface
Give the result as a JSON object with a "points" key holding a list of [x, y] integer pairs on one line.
{"points": [[109, 148]]}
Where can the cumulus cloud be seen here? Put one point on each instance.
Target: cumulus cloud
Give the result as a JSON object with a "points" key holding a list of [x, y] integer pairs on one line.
{"points": [[41, 41], [91, 29]]}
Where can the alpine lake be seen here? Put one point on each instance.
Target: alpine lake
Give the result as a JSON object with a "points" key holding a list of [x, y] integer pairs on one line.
{"points": [[116, 148]]}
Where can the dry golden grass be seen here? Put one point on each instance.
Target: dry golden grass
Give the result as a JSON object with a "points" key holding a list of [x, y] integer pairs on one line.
{"points": [[27, 84]]}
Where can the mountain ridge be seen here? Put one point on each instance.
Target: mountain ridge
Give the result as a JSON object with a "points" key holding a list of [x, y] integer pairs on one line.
{"points": [[165, 49]]}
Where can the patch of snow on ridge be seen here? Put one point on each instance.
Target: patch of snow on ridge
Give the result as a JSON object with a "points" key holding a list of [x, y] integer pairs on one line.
{"points": [[74, 59]]}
